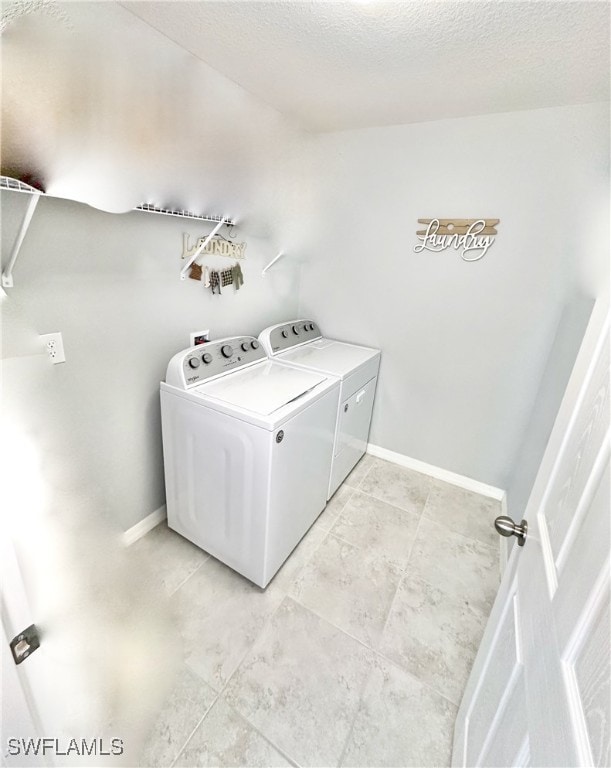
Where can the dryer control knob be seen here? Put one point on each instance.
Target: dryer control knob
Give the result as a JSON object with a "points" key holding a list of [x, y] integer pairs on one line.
{"points": [[296, 330], [254, 344], [226, 350], [285, 334], [311, 326], [306, 327], [244, 346], [193, 362], [207, 358]]}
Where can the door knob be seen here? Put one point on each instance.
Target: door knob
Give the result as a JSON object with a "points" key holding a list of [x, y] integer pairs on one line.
{"points": [[506, 527]]}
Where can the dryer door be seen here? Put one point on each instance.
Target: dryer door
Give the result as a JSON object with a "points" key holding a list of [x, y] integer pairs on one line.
{"points": [[352, 433]]}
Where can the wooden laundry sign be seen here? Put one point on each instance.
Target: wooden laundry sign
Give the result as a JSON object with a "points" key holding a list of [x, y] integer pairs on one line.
{"points": [[216, 247], [471, 237]]}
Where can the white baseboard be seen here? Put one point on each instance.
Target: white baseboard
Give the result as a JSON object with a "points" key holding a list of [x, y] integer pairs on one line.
{"points": [[437, 472], [143, 527]]}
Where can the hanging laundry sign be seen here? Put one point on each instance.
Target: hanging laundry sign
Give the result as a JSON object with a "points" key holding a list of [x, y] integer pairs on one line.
{"points": [[216, 247], [471, 237]]}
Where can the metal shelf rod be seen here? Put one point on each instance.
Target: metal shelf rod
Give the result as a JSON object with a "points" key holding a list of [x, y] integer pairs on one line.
{"points": [[7, 274], [200, 248], [272, 262]]}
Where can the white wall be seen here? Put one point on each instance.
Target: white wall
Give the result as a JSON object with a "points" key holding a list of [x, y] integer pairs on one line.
{"points": [[110, 283], [81, 441], [464, 344], [105, 111], [558, 367]]}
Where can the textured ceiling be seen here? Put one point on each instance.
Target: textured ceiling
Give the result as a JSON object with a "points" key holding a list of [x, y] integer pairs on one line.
{"points": [[337, 65]]}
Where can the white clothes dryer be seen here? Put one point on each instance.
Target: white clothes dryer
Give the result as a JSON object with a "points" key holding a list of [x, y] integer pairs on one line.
{"points": [[247, 446], [300, 343]]}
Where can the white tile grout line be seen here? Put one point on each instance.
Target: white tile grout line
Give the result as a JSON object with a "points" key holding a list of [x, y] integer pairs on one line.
{"points": [[241, 717], [460, 535], [378, 558], [472, 609], [199, 722], [421, 517], [432, 479], [186, 579], [357, 709], [373, 463], [239, 664], [287, 594], [375, 651], [220, 693], [237, 667], [403, 573], [405, 671], [417, 679], [389, 503], [263, 736], [421, 513], [322, 618], [337, 516]]}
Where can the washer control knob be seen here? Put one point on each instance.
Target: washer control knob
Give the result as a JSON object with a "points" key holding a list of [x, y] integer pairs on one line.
{"points": [[207, 358], [296, 330], [311, 326], [244, 346], [285, 334], [226, 350], [306, 327], [193, 362], [254, 344]]}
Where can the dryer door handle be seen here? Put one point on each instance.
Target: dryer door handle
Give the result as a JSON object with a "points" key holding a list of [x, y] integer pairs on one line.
{"points": [[360, 396]]}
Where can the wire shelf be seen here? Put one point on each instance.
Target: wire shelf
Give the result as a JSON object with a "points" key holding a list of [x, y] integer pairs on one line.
{"points": [[6, 182], [149, 208], [14, 185]]}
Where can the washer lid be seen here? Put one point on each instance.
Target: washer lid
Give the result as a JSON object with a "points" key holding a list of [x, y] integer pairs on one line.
{"points": [[334, 357], [263, 388]]}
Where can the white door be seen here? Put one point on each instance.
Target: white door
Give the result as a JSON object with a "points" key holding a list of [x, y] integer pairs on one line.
{"points": [[20, 719], [107, 646], [539, 692]]}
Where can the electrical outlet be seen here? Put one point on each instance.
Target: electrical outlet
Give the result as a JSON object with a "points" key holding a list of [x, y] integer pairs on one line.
{"points": [[199, 337], [54, 345]]}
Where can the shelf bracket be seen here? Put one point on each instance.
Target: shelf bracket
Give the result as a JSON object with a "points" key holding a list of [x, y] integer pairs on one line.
{"points": [[204, 243], [7, 274], [272, 262]]}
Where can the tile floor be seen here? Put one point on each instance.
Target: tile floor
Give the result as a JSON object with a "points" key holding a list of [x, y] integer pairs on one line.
{"points": [[358, 651]]}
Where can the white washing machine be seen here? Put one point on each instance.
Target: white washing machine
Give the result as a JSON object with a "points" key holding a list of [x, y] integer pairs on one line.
{"points": [[247, 447], [300, 343]]}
